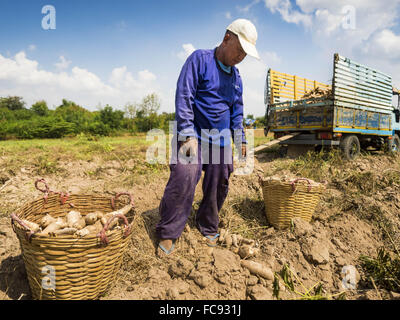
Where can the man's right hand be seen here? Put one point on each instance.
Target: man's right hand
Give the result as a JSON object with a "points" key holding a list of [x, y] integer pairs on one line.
{"points": [[189, 148]]}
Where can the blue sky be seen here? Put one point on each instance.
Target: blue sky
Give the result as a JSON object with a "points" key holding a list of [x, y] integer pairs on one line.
{"points": [[118, 51]]}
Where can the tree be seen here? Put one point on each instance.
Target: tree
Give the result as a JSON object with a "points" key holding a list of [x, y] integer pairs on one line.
{"points": [[12, 103], [146, 115], [130, 113], [165, 118], [111, 117], [150, 104], [71, 112], [260, 122], [40, 108]]}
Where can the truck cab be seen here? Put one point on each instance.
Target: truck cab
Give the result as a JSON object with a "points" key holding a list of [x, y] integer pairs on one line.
{"points": [[395, 144]]}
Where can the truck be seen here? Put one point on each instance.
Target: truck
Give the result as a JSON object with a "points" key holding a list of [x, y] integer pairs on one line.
{"points": [[360, 109]]}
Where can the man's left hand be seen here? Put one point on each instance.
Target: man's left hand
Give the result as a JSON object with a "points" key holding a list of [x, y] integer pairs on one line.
{"points": [[244, 150]]}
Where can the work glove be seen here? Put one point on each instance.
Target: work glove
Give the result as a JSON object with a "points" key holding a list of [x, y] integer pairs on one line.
{"points": [[188, 150]]}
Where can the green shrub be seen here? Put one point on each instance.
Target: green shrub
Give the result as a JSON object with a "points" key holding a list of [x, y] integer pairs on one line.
{"points": [[42, 128], [98, 128]]}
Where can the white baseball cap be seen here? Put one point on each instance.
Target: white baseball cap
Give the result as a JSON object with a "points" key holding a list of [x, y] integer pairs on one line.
{"points": [[247, 34]]}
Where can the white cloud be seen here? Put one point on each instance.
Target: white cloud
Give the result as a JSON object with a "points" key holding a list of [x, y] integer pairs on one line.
{"points": [[284, 7], [188, 49], [327, 22], [122, 78], [382, 51], [22, 76], [146, 75], [32, 47], [326, 16], [246, 8], [63, 64], [384, 43]]}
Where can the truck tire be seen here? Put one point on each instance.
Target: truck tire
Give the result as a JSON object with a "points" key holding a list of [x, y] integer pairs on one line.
{"points": [[394, 144], [350, 146]]}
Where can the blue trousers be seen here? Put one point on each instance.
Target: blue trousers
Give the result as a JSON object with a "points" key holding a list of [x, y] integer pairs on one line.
{"points": [[176, 204]]}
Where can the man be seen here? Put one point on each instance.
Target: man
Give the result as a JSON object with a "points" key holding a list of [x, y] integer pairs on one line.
{"points": [[209, 108]]}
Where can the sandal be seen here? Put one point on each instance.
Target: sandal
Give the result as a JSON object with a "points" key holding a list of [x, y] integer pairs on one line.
{"points": [[166, 252], [212, 240]]}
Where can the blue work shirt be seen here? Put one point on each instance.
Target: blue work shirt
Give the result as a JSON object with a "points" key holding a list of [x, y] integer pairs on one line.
{"points": [[209, 98]]}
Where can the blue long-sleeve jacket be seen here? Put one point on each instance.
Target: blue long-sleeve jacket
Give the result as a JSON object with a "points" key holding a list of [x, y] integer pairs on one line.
{"points": [[209, 98]]}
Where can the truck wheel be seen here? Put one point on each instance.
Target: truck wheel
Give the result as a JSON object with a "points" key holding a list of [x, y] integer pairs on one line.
{"points": [[394, 144], [350, 146]]}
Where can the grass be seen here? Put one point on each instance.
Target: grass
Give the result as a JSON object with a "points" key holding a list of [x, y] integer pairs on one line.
{"points": [[45, 164], [46, 153], [261, 140], [291, 281], [85, 147], [245, 215], [79, 143], [384, 270], [359, 196], [316, 165]]}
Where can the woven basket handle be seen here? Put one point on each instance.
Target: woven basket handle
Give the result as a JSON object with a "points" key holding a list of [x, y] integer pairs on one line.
{"points": [[102, 233], [29, 233], [121, 194], [293, 183]]}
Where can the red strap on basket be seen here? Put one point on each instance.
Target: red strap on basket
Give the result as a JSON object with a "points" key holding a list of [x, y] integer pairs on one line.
{"points": [[29, 233], [47, 190], [293, 183], [63, 196], [121, 194], [102, 233]]}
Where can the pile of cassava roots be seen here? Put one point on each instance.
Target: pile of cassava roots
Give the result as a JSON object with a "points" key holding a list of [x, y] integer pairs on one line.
{"points": [[77, 224]]}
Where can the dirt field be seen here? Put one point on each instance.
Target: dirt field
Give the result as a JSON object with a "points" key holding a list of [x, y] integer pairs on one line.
{"points": [[357, 215]]}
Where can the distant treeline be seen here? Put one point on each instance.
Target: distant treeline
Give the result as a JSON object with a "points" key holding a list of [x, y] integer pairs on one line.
{"points": [[69, 119]]}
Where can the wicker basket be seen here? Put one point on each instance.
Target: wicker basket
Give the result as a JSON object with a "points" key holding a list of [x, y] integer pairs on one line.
{"points": [[285, 200], [69, 267]]}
